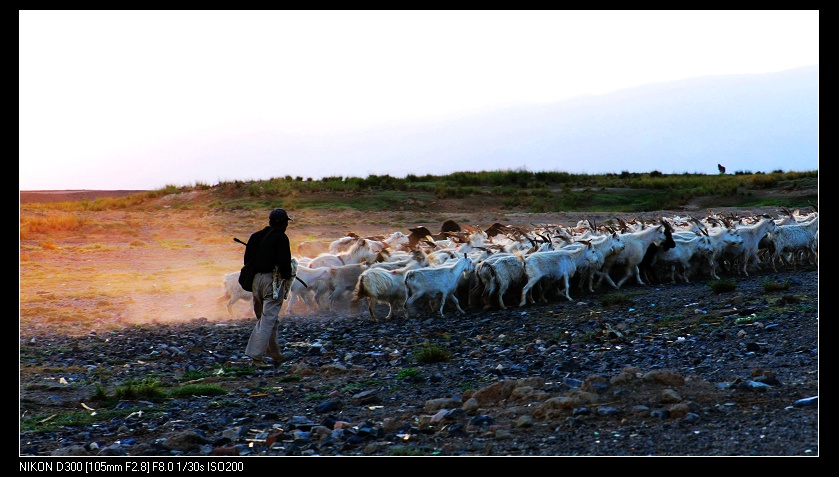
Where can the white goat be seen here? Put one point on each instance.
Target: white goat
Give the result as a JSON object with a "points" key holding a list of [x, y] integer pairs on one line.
{"points": [[555, 265], [234, 292], [607, 247], [496, 274], [433, 282], [727, 244], [359, 252], [440, 257], [317, 281], [793, 241], [636, 245], [468, 280], [397, 241], [391, 260], [445, 254], [379, 284], [751, 235], [692, 247], [344, 243], [342, 279], [794, 217]]}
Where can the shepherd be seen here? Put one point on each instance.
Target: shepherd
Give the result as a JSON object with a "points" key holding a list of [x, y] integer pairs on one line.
{"points": [[270, 251]]}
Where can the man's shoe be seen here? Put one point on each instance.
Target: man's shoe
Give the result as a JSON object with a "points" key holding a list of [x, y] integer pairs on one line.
{"points": [[260, 363]]}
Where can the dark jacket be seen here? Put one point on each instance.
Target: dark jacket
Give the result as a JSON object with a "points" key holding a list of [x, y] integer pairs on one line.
{"points": [[269, 248]]}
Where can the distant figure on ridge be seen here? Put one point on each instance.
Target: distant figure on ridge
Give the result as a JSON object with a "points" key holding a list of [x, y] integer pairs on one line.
{"points": [[721, 168]]}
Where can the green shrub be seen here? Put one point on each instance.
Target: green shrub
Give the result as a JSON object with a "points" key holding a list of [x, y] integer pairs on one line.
{"points": [[430, 354], [407, 374], [99, 394], [290, 378], [145, 389], [770, 285], [722, 285]]}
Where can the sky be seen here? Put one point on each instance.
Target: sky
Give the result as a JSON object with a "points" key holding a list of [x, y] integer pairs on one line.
{"points": [[146, 99]]}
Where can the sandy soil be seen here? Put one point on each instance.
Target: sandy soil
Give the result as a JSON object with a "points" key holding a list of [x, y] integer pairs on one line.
{"points": [[131, 266]]}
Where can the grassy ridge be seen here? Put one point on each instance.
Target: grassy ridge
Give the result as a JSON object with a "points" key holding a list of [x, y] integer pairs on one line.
{"points": [[521, 191]]}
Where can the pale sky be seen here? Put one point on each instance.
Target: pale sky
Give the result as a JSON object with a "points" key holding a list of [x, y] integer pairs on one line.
{"points": [[117, 99]]}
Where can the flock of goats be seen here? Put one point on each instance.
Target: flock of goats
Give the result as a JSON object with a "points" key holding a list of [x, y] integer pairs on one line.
{"points": [[505, 262]]}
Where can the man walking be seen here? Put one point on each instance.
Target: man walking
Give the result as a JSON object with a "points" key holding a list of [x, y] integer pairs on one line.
{"points": [[270, 250]]}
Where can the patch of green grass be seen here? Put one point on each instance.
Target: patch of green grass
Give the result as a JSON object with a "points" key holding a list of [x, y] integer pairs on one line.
{"points": [[151, 389], [353, 388], [99, 394], [224, 404], [235, 371], [102, 372], [408, 374], [315, 397], [430, 354], [290, 378], [722, 285], [747, 319], [47, 422], [193, 374], [197, 390], [360, 386], [261, 389], [770, 285], [148, 389]]}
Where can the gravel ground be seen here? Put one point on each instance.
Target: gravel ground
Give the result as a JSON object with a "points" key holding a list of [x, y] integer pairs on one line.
{"points": [[661, 370]]}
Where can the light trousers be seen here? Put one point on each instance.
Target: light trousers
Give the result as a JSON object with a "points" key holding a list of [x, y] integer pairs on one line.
{"points": [[264, 335]]}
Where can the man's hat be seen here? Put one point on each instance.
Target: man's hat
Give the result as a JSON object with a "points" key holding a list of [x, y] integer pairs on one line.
{"points": [[278, 215]]}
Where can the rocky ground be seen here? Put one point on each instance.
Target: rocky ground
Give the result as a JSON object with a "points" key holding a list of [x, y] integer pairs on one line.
{"points": [[666, 370], [661, 370]]}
